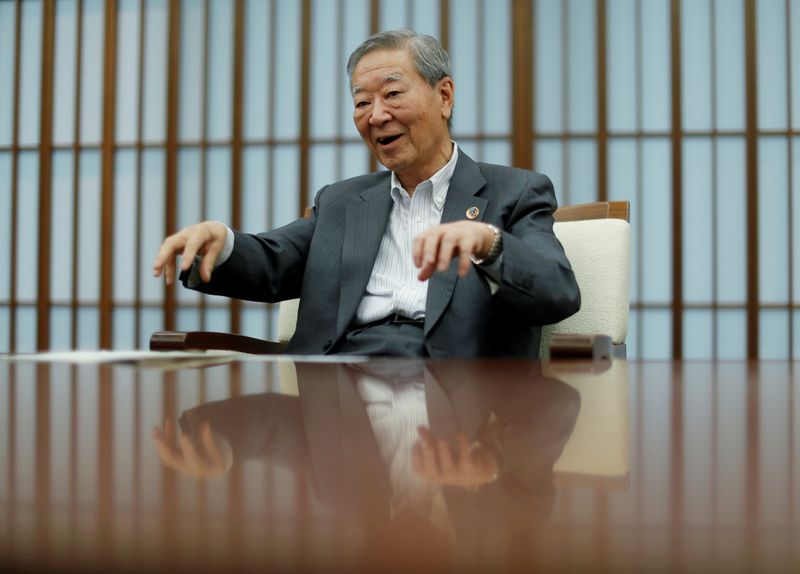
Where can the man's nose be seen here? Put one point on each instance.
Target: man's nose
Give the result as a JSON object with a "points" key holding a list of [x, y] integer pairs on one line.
{"points": [[379, 114]]}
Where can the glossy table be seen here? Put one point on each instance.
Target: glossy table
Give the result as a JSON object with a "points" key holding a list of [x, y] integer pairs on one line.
{"points": [[400, 466]]}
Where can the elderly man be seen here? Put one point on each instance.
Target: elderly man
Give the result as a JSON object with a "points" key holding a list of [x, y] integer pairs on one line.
{"points": [[440, 256]]}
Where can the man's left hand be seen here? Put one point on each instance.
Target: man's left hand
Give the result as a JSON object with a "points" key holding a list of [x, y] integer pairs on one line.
{"points": [[467, 465], [435, 247]]}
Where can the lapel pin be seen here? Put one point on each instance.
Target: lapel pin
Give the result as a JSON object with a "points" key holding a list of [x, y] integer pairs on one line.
{"points": [[473, 212]]}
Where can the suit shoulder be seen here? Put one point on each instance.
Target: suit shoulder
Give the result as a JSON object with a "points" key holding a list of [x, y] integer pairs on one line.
{"points": [[346, 188], [514, 176]]}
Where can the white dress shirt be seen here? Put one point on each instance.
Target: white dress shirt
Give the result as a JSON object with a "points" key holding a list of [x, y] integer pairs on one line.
{"points": [[393, 286]]}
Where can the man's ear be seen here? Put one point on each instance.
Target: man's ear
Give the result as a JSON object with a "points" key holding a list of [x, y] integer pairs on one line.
{"points": [[447, 93]]}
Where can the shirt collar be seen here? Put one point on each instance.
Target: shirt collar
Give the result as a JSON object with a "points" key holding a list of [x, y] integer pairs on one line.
{"points": [[440, 181]]}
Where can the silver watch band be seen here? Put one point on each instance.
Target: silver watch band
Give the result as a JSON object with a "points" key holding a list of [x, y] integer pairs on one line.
{"points": [[494, 251]]}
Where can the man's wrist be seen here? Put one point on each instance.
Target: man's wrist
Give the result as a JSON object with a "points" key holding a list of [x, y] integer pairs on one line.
{"points": [[495, 249]]}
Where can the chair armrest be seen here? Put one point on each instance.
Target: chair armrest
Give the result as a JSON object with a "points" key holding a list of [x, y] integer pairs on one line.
{"points": [[569, 346], [209, 340]]}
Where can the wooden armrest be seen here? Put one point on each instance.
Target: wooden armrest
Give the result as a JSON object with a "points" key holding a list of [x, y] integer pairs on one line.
{"points": [[209, 340], [564, 346]]}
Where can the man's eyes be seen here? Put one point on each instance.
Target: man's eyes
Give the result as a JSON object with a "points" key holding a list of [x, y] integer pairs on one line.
{"points": [[360, 104]]}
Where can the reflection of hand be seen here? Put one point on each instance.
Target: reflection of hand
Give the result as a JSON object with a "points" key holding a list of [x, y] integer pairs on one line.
{"points": [[467, 465], [209, 458]]}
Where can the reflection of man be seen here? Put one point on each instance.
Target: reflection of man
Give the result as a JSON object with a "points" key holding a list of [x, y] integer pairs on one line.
{"points": [[453, 448], [440, 256]]}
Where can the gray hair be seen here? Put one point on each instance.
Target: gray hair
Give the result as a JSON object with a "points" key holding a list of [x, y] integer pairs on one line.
{"points": [[429, 57]]}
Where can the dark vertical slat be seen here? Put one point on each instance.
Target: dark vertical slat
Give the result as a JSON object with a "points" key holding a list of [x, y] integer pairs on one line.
{"points": [[137, 289], [374, 26], [566, 188], [45, 178], [676, 468], [270, 115], [339, 90], [790, 172], [480, 71], [235, 530], [136, 455], [374, 16], [43, 454], [305, 105], [12, 323], [444, 23], [105, 462], [11, 427], [171, 171], [76, 171], [602, 104], [715, 447], [204, 88], [72, 479], [752, 498], [714, 181], [677, 183], [751, 79], [639, 448], [107, 200], [522, 84], [638, 207], [236, 151], [531, 102], [169, 491]]}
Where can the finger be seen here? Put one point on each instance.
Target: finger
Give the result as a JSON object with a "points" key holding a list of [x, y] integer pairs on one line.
{"points": [[446, 248], [416, 250], [169, 274], [429, 460], [166, 250], [166, 451], [445, 457], [165, 259], [464, 264], [190, 454], [425, 435], [195, 242], [466, 453], [210, 260], [169, 431], [211, 447]]}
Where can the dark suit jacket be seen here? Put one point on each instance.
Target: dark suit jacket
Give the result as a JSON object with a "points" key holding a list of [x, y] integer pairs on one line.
{"points": [[327, 260]]}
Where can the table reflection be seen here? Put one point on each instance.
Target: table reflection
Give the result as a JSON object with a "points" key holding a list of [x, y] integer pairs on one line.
{"points": [[467, 466], [414, 453]]}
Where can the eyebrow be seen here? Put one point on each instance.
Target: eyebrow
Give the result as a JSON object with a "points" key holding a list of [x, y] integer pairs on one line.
{"points": [[393, 77]]}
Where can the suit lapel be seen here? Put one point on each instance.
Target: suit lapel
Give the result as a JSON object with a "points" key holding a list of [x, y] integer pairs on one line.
{"points": [[364, 228], [467, 180]]}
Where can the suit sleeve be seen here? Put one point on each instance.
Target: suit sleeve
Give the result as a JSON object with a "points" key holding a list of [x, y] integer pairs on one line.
{"points": [[536, 276], [265, 267]]}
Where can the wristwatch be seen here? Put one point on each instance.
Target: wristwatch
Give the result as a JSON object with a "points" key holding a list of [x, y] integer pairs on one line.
{"points": [[494, 250]]}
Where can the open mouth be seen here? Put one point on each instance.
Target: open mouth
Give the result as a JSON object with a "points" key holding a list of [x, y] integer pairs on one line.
{"points": [[388, 140]]}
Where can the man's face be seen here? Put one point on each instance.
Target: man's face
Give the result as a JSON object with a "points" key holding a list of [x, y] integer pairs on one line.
{"points": [[401, 118]]}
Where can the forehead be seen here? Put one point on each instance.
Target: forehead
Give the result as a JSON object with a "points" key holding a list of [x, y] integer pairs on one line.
{"points": [[380, 66]]}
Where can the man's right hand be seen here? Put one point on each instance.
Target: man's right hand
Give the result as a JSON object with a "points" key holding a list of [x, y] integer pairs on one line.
{"points": [[205, 239]]}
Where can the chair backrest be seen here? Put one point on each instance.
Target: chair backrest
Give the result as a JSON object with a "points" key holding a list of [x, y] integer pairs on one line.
{"points": [[596, 238]]}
